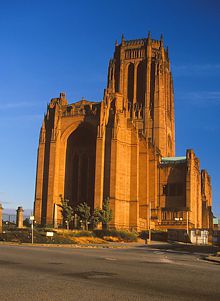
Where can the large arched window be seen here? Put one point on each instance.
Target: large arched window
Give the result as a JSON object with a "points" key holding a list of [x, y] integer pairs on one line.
{"points": [[140, 84], [130, 83]]}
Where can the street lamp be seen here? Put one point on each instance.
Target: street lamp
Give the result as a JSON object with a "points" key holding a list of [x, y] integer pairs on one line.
{"points": [[187, 222], [148, 241], [32, 228]]}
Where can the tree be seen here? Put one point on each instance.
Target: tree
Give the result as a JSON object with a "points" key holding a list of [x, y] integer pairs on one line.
{"points": [[96, 217], [106, 213], [67, 211], [26, 222], [83, 211]]}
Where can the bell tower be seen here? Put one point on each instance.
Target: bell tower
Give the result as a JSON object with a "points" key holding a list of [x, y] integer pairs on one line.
{"points": [[140, 72]]}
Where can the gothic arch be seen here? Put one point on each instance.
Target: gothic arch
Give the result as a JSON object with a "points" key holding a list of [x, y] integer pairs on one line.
{"points": [[69, 130], [79, 166]]}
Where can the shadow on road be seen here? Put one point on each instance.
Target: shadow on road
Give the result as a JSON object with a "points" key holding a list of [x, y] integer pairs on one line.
{"points": [[183, 247]]}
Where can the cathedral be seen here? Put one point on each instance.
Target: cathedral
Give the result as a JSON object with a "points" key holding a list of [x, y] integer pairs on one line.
{"points": [[123, 148]]}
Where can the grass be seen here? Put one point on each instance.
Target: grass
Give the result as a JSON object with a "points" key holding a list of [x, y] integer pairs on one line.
{"points": [[24, 236], [62, 236], [117, 235]]}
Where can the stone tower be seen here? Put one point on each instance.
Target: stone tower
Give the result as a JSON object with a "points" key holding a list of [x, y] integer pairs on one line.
{"points": [[140, 71]]}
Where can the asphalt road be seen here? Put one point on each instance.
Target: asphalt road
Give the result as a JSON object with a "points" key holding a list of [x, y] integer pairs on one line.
{"points": [[137, 273]]}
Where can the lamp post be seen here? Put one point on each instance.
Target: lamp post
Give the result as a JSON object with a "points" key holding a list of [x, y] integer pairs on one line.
{"points": [[187, 222], [32, 228]]}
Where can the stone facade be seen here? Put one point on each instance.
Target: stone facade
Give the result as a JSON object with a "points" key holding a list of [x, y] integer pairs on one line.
{"points": [[123, 148]]}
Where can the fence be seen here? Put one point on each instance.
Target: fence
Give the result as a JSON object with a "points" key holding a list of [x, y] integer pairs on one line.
{"points": [[9, 220]]}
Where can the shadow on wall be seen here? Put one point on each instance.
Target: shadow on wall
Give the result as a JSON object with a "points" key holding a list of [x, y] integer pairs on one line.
{"points": [[175, 189], [80, 166]]}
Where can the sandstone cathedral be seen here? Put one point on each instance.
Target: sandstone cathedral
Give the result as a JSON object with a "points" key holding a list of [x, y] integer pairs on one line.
{"points": [[123, 148]]}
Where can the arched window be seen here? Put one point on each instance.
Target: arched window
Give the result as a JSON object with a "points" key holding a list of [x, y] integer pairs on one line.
{"points": [[140, 83], [130, 83]]}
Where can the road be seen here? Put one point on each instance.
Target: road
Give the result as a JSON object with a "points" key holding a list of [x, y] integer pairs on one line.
{"points": [[136, 274]]}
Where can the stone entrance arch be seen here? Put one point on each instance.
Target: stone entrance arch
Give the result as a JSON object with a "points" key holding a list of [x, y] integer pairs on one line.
{"points": [[79, 181]]}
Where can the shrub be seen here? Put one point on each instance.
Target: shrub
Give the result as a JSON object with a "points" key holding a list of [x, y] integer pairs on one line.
{"points": [[106, 214], [67, 211], [82, 233], [27, 222], [144, 234], [96, 217], [83, 212], [47, 228], [122, 235], [156, 235]]}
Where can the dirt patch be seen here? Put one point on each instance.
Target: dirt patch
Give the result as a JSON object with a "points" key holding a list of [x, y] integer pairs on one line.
{"points": [[111, 239], [87, 240]]}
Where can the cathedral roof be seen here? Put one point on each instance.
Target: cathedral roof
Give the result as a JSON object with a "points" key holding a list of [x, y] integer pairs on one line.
{"points": [[170, 160]]}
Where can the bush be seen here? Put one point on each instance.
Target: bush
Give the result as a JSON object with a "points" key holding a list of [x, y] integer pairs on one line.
{"points": [[27, 222], [47, 229], [122, 235], [155, 235], [83, 212], [82, 233]]}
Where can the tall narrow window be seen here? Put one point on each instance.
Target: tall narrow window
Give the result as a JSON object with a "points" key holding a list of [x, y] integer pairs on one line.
{"points": [[140, 83], [130, 87]]}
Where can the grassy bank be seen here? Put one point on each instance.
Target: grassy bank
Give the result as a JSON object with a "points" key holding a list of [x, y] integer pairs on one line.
{"points": [[61, 236]]}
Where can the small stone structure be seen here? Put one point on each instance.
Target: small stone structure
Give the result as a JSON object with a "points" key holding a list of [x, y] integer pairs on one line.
{"points": [[1, 209], [19, 219]]}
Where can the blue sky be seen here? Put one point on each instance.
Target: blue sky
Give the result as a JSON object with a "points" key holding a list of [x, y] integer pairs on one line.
{"points": [[53, 46]]}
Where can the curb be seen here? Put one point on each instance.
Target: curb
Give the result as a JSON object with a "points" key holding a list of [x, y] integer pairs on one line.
{"points": [[211, 259], [73, 246]]}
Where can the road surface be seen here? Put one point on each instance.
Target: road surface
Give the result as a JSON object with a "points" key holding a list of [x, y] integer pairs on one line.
{"points": [[136, 274]]}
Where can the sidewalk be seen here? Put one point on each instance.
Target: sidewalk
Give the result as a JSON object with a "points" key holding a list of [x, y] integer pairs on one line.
{"points": [[204, 250], [213, 258]]}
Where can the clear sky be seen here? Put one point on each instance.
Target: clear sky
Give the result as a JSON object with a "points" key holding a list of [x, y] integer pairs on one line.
{"points": [[53, 46]]}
